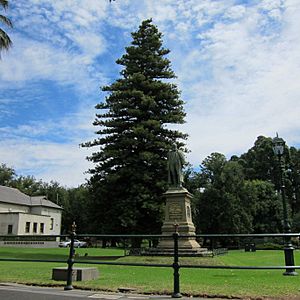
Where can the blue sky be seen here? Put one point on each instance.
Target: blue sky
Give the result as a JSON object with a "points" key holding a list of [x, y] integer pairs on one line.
{"points": [[237, 65]]}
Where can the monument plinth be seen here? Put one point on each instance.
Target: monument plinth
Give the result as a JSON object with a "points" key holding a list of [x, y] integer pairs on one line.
{"points": [[178, 211]]}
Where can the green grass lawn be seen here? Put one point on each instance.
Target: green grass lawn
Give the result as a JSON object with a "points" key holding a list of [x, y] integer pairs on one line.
{"points": [[242, 283]]}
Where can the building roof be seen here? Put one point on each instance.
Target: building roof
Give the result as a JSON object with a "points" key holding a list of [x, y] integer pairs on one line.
{"points": [[14, 196], [43, 201]]}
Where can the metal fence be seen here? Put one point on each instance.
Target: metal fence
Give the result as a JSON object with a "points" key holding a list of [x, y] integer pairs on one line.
{"points": [[289, 266]]}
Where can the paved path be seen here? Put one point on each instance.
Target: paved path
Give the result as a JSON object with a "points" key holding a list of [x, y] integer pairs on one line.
{"points": [[10, 291]]}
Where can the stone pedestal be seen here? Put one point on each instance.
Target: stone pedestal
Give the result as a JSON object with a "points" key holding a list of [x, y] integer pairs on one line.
{"points": [[78, 274], [178, 211]]}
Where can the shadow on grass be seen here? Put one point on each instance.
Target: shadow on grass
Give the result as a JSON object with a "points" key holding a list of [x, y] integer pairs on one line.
{"points": [[99, 257], [55, 256]]}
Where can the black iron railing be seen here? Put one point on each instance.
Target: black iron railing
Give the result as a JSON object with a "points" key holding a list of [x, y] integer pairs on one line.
{"points": [[176, 254]]}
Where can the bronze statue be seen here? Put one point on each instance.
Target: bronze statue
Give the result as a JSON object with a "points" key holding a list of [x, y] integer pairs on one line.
{"points": [[175, 164]]}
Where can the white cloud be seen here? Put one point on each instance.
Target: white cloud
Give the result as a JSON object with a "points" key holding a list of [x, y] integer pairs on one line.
{"points": [[251, 86], [91, 44], [63, 163], [235, 12], [270, 5], [32, 61], [32, 148]]}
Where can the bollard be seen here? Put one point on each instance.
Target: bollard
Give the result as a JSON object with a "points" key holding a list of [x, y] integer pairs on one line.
{"points": [[71, 259], [289, 257], [176, 291]]}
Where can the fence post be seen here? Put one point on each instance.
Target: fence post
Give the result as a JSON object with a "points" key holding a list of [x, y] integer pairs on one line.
{"points": [[125, 246], [176, 291], [289, 256], [71, 259]]}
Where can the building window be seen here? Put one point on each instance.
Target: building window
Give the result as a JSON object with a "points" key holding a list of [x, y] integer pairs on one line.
{"points": [[42, 228], [9, 229], [27, 227], [34, 227], [51, 224]]}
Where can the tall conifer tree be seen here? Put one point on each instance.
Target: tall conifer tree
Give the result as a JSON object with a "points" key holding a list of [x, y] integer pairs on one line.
{"points": [[130, 175]]}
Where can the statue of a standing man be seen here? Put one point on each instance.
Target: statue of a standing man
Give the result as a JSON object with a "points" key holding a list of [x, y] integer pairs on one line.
{"points": [[175, 164]]}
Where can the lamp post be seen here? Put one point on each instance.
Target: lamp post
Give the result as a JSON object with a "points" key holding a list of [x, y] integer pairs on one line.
{"points": [[278, 148]]}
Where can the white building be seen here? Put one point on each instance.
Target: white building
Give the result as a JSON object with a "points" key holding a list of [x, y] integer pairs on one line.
{"points": [[24, 215]]}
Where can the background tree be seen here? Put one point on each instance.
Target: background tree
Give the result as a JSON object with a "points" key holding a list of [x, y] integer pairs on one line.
{"points": [[220, 202], [206, 186], [133, 138], [294, 179], [28, 185], [5, 41], [259, 162], [75, 203], [227, 201], [265, 206], [7, 175]]}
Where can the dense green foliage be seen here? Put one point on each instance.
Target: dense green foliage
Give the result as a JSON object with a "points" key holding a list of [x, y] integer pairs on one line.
{"points": [[5, 41], [228, 196], [130, 177], [222, 205], [243, 194]]}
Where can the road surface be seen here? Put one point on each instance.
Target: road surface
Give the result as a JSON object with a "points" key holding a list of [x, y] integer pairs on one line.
{"points": [[16, 291], [11, 291]]}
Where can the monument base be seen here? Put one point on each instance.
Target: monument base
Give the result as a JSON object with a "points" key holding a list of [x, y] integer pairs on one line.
{"points": [[201, 252], [178, 213], [78, 274]]}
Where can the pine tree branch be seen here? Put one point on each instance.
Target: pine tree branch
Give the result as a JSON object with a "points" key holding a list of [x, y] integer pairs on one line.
{"points": [[6, 21], [5, 41]]}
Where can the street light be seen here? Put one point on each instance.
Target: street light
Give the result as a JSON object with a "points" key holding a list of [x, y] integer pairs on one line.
{"points": [[278, 148]]}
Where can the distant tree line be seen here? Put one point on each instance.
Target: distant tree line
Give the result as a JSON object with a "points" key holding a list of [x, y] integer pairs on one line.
{"points": [[242, 194], [236, 195]]}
